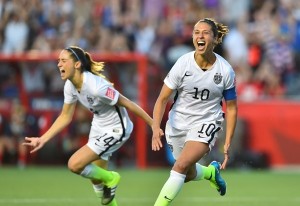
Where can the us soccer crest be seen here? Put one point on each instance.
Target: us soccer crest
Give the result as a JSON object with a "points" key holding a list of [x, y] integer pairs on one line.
{"points": [[217, 78], [90, 100]]}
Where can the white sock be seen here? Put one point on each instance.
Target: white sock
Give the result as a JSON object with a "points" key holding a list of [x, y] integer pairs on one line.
{"points": [[200, 174], [87, 171], [98, 190]]}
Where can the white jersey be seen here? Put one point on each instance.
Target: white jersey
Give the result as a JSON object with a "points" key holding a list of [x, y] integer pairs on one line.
{"points": [[100, 97], [199, 93]]}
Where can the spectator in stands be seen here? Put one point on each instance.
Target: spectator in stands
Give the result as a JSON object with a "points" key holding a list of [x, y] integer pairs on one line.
{"points": [[275, 42], [200, 79], [236, 39], [33, 78], [12, 130], [111, 125], [53, 23], [7, 143], [177, 50], [8, 77], [144, 37], [15, 33], [161, 44], [18, 127]]}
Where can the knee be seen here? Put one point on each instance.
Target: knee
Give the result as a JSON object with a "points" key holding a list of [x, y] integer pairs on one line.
{"points": [[185, 167], [75, 166], [181, 167]]}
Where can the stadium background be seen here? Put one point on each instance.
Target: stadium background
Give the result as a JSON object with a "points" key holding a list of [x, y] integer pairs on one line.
{"points": [[140, 41]]}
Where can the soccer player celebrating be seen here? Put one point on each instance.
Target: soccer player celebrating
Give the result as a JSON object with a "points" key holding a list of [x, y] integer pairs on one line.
{"points": [[111, 125], [201, 80]]}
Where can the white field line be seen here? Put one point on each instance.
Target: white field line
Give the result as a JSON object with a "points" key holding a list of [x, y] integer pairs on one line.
{"points": [[148, 200]]}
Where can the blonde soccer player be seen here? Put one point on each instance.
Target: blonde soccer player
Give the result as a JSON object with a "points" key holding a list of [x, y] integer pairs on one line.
{"points": [[111, 126]]}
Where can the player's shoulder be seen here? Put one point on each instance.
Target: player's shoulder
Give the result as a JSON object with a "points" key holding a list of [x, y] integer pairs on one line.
{"points": [[88, 76], [224, 64], [69, 85], [92, 79], [223, 61], [94, 82], [186, 57], [183, 62]]}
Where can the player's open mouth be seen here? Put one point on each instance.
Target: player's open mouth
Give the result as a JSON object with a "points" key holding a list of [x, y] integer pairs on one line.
{"points": [[62, 72], [201, 43]]}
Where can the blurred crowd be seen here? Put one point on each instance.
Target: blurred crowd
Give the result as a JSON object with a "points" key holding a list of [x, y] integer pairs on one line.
{"points": [[20, 124], [263, 44]]}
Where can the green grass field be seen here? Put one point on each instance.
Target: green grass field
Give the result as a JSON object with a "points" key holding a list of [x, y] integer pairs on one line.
{"points": [[56, 186]]}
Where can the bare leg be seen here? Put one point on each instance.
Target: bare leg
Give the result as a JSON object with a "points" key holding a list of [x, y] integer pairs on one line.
{"points": [[183, 170]]}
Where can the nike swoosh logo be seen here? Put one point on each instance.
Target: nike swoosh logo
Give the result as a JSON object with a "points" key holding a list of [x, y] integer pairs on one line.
{"points": [[167, 198], [187, 74], [210, 176]]}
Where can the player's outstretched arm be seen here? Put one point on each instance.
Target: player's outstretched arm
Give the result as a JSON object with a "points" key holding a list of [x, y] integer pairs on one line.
{"points": [[60, 123], [158, 112], [231, 118], [135, 109]]}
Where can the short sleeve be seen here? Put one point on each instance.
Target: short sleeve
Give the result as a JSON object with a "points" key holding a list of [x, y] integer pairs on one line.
{"points": [[69, 93], [230, 80], [174, 77], [108, 94]]}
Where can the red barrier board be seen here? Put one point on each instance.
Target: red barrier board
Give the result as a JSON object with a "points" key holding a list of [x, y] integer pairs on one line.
{"points": [[273, 128]]}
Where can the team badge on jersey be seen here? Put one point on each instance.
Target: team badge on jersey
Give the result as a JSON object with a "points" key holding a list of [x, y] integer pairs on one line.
{"points": [[217, 78], [90, 100], [110, 93]]}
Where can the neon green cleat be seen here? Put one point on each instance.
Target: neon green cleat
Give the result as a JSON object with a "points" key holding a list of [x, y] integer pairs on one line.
{"points": [[109, 190], [216, 180]]}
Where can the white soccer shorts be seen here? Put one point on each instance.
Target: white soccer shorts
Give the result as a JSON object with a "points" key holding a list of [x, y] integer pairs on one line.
{"points": [[206, 132], [105, 141]]}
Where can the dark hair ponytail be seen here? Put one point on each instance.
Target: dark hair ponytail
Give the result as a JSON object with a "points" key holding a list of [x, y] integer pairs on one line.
{"points": [[219, 30], [88, 64]]}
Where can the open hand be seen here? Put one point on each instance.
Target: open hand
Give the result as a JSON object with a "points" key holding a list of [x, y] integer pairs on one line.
{"points": [[226, 158], [35, 142], [156, 139]]}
